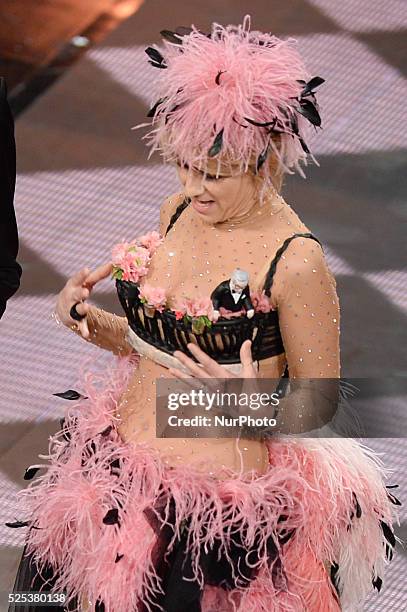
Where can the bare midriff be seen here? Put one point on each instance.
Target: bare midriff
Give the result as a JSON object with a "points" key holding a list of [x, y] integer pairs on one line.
{"points": [[213, 456]]}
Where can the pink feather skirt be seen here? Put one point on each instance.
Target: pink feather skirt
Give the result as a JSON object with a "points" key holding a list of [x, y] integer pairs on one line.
{"points": [[119, 526]]}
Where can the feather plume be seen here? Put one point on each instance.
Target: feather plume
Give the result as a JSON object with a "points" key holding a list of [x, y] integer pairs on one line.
{"points": [[239, 83], [323, 502]]}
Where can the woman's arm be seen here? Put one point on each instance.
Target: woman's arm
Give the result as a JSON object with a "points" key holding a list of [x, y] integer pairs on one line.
{"points": [[304, 291], [107, 330], [97, 326]]}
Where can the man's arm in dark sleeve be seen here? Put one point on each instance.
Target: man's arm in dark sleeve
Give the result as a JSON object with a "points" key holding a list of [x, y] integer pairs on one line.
{"points": [[10, 269], [218, 293], [247, 303]]}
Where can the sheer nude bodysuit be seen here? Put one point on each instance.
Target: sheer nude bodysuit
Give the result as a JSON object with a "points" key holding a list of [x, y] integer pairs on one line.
{"points": [[193, 259]]}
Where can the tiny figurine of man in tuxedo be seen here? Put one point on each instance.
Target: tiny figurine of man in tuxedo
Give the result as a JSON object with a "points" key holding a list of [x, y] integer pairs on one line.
{"points": [[233, 295]]}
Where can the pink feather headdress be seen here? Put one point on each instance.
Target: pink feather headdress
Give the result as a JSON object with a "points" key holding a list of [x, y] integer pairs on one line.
{"points": [[227, 95]]}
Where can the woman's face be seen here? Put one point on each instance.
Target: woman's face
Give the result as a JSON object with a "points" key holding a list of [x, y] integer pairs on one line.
{"points": [[218, 199]]}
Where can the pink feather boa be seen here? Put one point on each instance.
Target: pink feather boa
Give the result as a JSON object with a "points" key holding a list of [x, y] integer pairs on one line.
{"points": [[312, 482]]}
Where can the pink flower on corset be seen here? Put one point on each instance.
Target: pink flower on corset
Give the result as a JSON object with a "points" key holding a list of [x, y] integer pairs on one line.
{"points": [[130, 262], [153, 296], [119, 252], [180, 309], [260, 301], [199, 307], [151, 241]]}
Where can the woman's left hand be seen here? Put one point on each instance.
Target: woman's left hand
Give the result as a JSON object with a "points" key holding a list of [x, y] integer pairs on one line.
{"points": [[215, 375], [209, 368]]}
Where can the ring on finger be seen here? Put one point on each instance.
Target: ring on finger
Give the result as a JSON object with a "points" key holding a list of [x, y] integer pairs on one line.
{"points": [[75, 314]]}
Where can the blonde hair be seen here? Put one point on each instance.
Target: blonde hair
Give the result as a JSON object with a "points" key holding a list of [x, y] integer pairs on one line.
{"points": [[275, 169], [226, 164], [276, 173]]}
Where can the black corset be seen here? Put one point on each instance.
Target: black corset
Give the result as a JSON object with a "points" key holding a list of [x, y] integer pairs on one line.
{"points": [[223, 340]]}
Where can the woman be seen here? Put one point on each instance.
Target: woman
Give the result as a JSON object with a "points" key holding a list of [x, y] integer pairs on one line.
{"points": [[128, 520]]}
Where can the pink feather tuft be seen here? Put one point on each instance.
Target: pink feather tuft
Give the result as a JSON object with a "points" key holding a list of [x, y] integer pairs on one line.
{"points": [[88, 515], [213, 86]]}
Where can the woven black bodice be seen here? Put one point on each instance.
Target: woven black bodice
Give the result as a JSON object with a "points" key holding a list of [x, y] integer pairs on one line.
{"points": [[221, 341]]}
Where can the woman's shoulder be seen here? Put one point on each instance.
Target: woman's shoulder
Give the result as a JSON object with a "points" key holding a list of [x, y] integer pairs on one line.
{"points": [[290, 219], [303, 252], [303, 265], [298, 244]]}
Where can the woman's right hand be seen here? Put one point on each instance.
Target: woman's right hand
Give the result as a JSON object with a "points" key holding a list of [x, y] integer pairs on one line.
{"points": [[78, 289]]}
